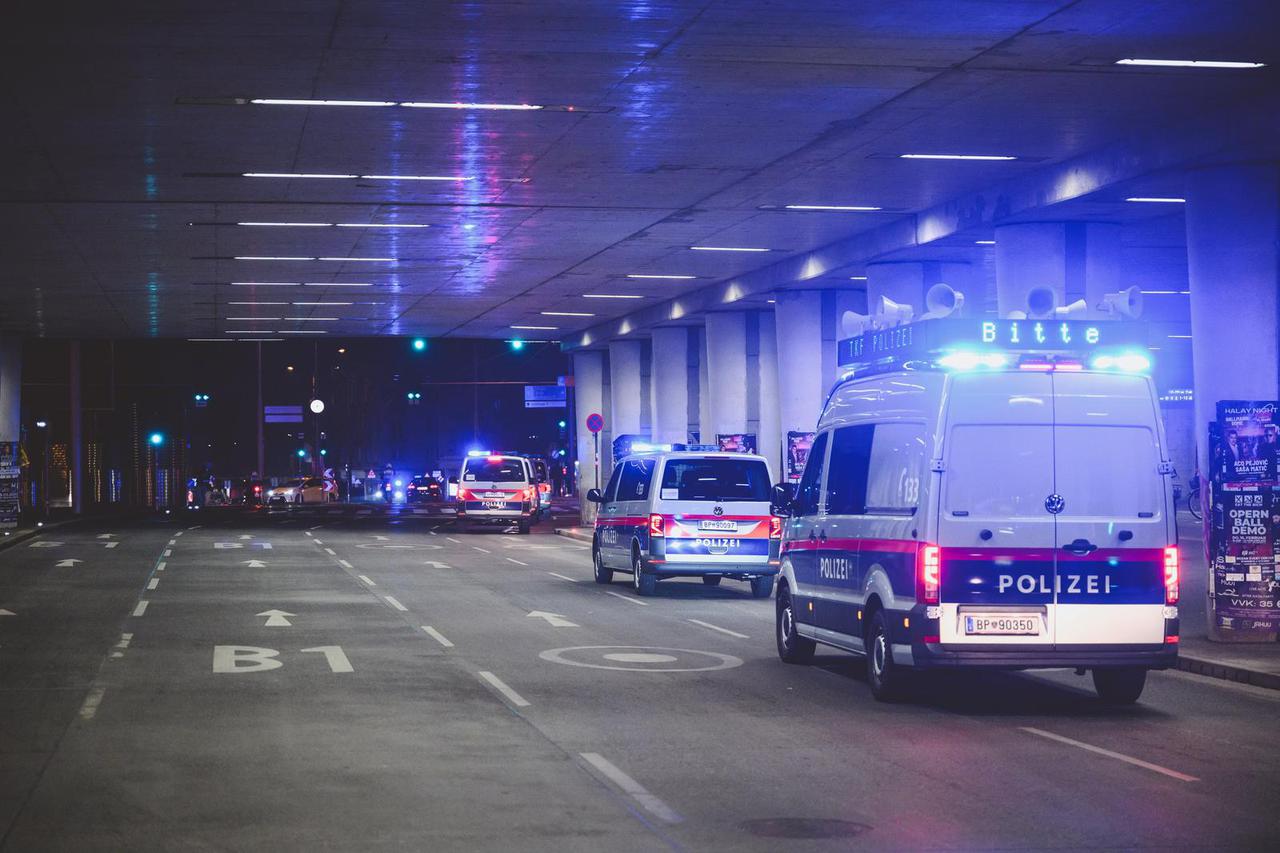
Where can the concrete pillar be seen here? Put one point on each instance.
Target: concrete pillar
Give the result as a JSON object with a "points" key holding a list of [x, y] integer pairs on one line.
{"points": [[77, 428], [626, 387], [669, 385], [10, 388], [1233, 262], [907, 282], [727, 373], [706, 435], [588, 399], [1076, 260], [769, 414], [801, 381]]}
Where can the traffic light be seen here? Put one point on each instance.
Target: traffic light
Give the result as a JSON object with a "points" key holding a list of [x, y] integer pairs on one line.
{"points": [[156, 439], [419, 344], [516, 344], [562, 424], [414, 397], [302, 452], [202, 400]]}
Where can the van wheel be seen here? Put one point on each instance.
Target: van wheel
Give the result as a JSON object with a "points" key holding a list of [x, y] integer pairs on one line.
{"points": [[603, 575], [711, 580], [883, 675], [641, 581], [762, 587], [792, 648], [1121, 686]]}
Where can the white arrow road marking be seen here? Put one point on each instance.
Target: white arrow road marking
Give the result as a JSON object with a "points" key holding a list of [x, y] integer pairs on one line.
{"points": [[631, 787], [435, 564], [1128, 759], [563, 577], [437, 636], [63, 564], [555, 620], [276, 618], [141, 608], [246, 536], [630, 598], [517, 562], [176, 535], [721, 630], [497, 684], [254, 564], [4, 612], [395, 603]]}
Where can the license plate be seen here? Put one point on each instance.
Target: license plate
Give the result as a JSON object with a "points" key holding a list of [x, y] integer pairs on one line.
{"points": [[718, 524], [496, 496], [1002, 625]]}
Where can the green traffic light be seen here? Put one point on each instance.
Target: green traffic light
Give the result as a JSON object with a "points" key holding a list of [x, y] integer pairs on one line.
{"points": [[301, 452], [419, 344], [156, 439], [517, 344], [562, 424]]}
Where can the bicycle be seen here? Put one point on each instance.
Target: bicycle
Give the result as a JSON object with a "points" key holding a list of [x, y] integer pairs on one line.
{"points": [[1193, 499]]}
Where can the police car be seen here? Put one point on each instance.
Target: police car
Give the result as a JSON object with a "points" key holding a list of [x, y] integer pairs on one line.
{"points": [[497, 488], [986, 494], [671, 513]]}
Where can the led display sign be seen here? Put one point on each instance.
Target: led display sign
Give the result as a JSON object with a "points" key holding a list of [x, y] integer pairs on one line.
{"points": [[928, 338]]}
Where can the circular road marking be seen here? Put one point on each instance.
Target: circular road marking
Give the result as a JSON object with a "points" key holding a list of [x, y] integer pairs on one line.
{"points": [[641, 658]]}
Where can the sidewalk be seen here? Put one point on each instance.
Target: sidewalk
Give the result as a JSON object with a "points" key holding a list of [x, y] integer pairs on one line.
{"points": [[1250, 663]]}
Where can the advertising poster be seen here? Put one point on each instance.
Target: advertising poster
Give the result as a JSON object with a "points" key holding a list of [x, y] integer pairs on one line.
{"points": [[9, 472], [798, 444], [738, 442], [1247, 546], [1250, 432]]}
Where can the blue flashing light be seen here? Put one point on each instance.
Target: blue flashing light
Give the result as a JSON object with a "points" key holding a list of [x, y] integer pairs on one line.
{"points": [[399, 483], [1126, 362], [419, 344], [399, 496], [647, 447], [156, 439], [474, 453], [517, 344], [973, 360]]}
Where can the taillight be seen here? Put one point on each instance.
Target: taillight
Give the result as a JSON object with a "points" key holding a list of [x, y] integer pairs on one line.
{"points": [[464, 495], [544, 487], [530, 494], [775, 527], [1171, 575], [657, 525], [928, 574], [257, 490]]}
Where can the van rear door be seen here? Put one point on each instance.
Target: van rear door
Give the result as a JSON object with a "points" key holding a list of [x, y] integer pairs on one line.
{"points": [[997, 538], [1114, 522]]}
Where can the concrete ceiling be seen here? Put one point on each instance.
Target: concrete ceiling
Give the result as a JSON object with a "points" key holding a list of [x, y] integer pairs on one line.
{"points": [[665, 125]]}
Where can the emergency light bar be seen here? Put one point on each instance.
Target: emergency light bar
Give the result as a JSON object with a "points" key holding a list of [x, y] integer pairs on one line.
{"points": [[983, 341], [475, 453]]}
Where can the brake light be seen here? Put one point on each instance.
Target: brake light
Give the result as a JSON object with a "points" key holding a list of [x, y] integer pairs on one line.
{"points": [[775, 527], [495, 459], [464, 495], [544, 487], [1171, 575], [928, 574], [257, 490], [657, 525]]}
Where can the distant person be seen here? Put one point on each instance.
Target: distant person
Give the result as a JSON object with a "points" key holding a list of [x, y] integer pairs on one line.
{"points": [[557, 479]]}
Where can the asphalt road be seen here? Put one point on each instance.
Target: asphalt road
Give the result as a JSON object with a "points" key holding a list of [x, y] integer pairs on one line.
{"points": [[438, 691]]}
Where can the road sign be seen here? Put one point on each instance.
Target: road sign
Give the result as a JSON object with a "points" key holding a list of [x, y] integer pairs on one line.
{"points": [[282, 414], [544, 397], [595, 422]]}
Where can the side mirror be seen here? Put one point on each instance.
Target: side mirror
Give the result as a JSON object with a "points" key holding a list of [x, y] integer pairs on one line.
{"points": [[781, 499], [595, 497]]}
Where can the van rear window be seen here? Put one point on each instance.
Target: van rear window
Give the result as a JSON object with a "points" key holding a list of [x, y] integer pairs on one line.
{"points": [[1108, 472], [999, 470], [715, 479], [488, 471]]}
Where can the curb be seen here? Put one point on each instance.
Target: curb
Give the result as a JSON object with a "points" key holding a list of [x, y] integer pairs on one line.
{"points": [[31, 532], [573, 533], [1228, 672]]}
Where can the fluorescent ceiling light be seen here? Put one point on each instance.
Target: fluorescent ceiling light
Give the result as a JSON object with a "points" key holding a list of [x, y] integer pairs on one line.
{"points": [[857, 278], [381, 225], [313, 102], [1166, 292], [314, 319], [441, 105], [315, 303], [302, 332], [296, 175], [611, 296], [270, 258], [1156, 199], [258, 340], [209, 340], [1190, 63], [848, 207], [670, 277], [259, 303], [455, 178], [370, 260], [248, 332], [266, 284], [1180, 337], [957, 157], [285, 224], [726, 249], [250, 319], [338, 284], [537, 328], [565, 314], [984, 242]]}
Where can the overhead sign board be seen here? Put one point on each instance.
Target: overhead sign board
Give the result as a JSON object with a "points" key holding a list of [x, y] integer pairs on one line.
{"points": [[282, 414], [1049, 335], [544, 396]]}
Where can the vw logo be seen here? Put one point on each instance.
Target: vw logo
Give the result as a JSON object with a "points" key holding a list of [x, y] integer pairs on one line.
{"points": [[1055, 503], [718, 510]]}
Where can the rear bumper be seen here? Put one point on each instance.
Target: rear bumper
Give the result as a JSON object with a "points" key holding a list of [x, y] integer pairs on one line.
{"points": [[495, 516], [694, 570], [935, 656]]}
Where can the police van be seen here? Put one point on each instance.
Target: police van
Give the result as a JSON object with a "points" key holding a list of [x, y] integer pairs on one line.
{"points": [[497, 488], [667, 513], [986, 494]]}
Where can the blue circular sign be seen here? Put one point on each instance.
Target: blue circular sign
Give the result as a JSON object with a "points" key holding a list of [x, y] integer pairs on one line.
{"points": [[595, 422]]}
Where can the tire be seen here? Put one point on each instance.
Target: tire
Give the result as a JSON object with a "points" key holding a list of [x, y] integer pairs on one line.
{"points": [[762, 587], [603, 575], [641, 581], [524, 528], [792, 648], [883, 675], [711, 580], [1120, 686]]}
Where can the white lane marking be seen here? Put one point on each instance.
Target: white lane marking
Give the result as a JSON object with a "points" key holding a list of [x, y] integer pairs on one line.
{"points": [[456, 541], [512, 696], [179, 533], [141, 608], [125, 639], [630, 598], [433, 533], [366, 579], [317, 541], [331, 552], [317, 527], [517, 562], [91, 703], [307, 533], [631, 787], [437, 636], [721, 630], [194, 527], [167, 553], [563, 577], [345, 564], [481, 550], [396, 604], [1119, 756], [153, 583], [173, 541], [160, 566]]}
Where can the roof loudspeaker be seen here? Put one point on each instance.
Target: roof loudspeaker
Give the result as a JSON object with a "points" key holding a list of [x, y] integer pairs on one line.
{"points": [[1127, 303], [1075, 309], [854, 324], [1041, 302], [940, 301], [889, 313]]}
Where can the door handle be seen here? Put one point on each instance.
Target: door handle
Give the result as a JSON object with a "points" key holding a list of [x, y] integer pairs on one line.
{"points": [[822, 536], [1080, 547], [812, 538]]}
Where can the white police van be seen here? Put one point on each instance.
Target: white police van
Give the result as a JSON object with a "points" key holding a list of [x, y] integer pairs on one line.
{"points": [[671, 513], [986, 494], [497, 488]]}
